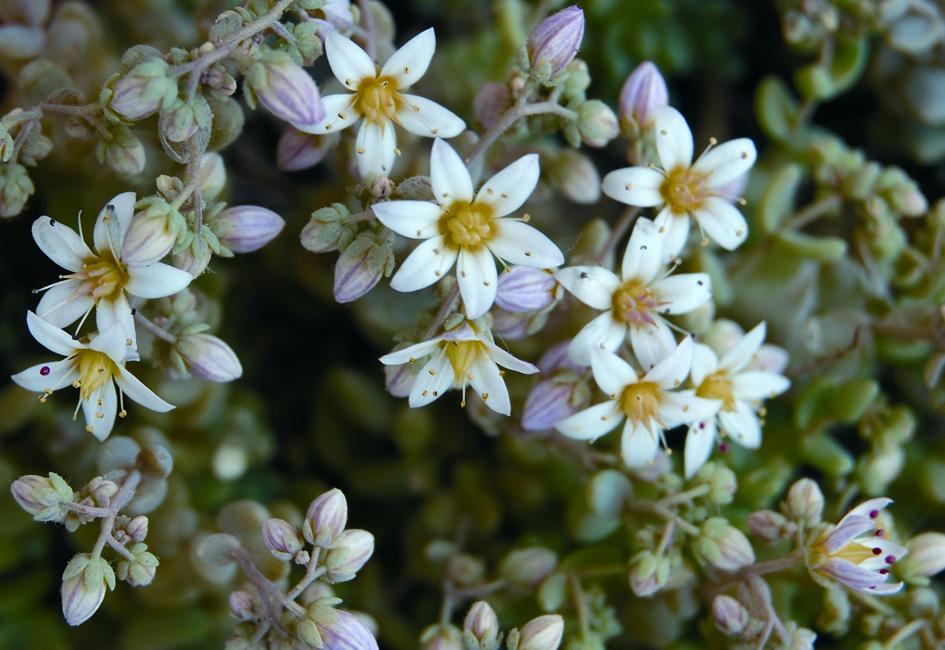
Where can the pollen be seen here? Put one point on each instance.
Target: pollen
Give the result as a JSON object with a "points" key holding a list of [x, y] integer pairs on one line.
{"points": [[467, 225]]}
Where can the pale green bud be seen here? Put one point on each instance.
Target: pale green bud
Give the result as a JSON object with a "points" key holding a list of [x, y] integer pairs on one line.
{"points": [[43, 497], [328, 230], [349, 553], [597, 123], [143, 90], [804, 502], [140, 571], [16, 187], [123, 152], [722, 546], [84, 583], [649, 573]]}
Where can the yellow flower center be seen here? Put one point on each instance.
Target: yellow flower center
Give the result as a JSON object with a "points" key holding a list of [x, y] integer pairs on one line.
{"points": [[105, 275], [95, 370], [684, 190], [461, 355], [633, 302], [467, 225], [377, 98], [640, 402], [718, 386]]}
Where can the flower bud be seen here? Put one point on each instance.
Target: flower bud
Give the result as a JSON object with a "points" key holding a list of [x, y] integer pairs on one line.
{"points": [[101, 490], [723, 547], [208, 357], [43, 497], [491, 102], [482, 622], [346, 557], [361, 266], [212, 176], [281, 538], [246, 228], [770, 526], [804, 502], [721, 481], [195, 258], [16, 187], [137, 528], [21, 41], [926, 558], [527, 567], [143, 90], [465, 570], [140, 571], [575, 176], [287, 91], [242, 606], [523, 289], [643, 93], [335, 629], [84, 583], [441, 637], [6, 144], [555, 42], [297, 150], [328, 230], [123, 152], [549, 402], [151, 235], [648, 573], [326, 518], [541, 633], [731, 618], [802, 639], [597, 124]]}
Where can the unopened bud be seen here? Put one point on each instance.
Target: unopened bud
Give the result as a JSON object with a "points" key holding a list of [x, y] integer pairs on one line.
{"points": [[524, 289], [208, 357], [731, 618], [143, 90], [242, 606], [465, 570], [348, 554], [643, 93], [442, 637], [43, 497], [527, 567], [721, 482], [287, 91], [770, 526], [723, 547], [575, 176], [298, 150], [140, 571], [926, 558], [491, 102], [6, 145], [328, 230], [123, 152], [482, 622], [336, 628], [246, 228], [84, 583], [802, 639], [804, 502], [281, 538], [555, 42], [151, 235], [549, 402], [19, 42], [597, 123], [541, 633], [326, 518], [361, 266], [137, 528], [101, 490], [16, 187], [212, 176], [648, 573]]}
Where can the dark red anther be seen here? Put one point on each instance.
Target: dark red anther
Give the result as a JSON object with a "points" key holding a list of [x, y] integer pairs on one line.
{"points": [[723, 447], [874, 514], [877, 551], [878, 533], [884, 571], [45, 370], [890, 559]]}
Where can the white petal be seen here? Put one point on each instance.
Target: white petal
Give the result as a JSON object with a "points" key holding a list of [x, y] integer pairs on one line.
{"points": [[59, 374], [478, 280], [375, 148], [520, 244], [593, 285], [674, 231], [680, 294], [602, 333], [770, 358], [434, 379], [410, 353], [700, 439], [411, 61], [742, 425], [509, 361], [60, 243], [684, 407], [643, 257], [866, 508], [100, 410], [414, 219], [349, 63], [487, 381], [639, 186], [156, 280], [133, 388], [50, 336], [673, 138], [339, 114], [638, 445], [112, 342], [448, 175], [722, 222], [117, 311], [591, 423], [611, 373], [64, 304], [652, 343], [757, 384], [704, 363], [727, 162], [111, 225], [426, 118], [672, 370], [511, 187], [425, 265], [741, 353]]}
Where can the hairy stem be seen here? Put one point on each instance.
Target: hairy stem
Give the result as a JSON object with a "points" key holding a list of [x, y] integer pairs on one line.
{"points": [[154, 328], [125, 492]]}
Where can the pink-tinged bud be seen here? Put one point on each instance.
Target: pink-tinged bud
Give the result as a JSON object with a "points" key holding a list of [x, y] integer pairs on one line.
{"points": [[542, 633], [549, 402], [298, 150], [84, 583], [524, 289], [442, 637], [143, 90], [242, 606], [723, 547], [139, 571], [281, 538], [348, 554], [246, 228], [334, 629], [287, 91], [491, 102], [208, 357], [770, 526], [212, 176], [557, 358], [643, 93], [137, 528], [555, 42], [361, 266], [326, 518], [123, 152], [526, 567], [649, 573], [926, 558], [731, 618], [150, 236], [482, 622], [43, 497], [804, 502]]}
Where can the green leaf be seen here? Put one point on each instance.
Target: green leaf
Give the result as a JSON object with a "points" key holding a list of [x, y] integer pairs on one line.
{"points": [[775, 108], [820, 249], [777, 202]]}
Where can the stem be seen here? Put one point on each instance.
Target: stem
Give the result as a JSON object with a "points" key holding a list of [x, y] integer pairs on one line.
{"points": [[193, 178], [478, 591], [120, 548], [904, 633], [370, 33], [760, 591], [448, 604], [684, 497], [88, 511], [121, 499], [312, 573], [617, 232], [273, 598], [507, 119], [580, 604], [549, 106], [814, 211], [155, 329]]}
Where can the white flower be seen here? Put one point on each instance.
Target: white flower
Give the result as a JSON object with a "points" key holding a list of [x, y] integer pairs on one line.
{"points": [[635, 302], [92, 368], [740, 386], [468, 228], [463, 356], [377, 96], [650, 404], [687, 189], [100, 279]]}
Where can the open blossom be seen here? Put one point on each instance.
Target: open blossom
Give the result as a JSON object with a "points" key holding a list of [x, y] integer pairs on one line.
{"points": [[633, 303], [377, 96], [468, 229], [95, 368], [740, 387], [463, 356], [854, 552], [100, 279], [650, 404], [687, 189]]}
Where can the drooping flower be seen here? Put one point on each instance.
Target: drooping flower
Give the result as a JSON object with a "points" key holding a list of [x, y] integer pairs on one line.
{"points": [[635, 302], [378, 99], [740, 386], [650, 404], [463, 356], [95, 368], [469, 229], [687, 189], [855, 553], [100, 279]]}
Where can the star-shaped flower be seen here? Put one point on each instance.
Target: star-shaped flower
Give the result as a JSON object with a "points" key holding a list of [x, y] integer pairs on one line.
{"points": [[378, 99], [635, 302], [468, 229], [94, 367], [687, 189]]}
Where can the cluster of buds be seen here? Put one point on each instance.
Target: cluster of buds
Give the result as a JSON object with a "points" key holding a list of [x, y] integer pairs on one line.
{"points": [[481, 631], [744, 619]]}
